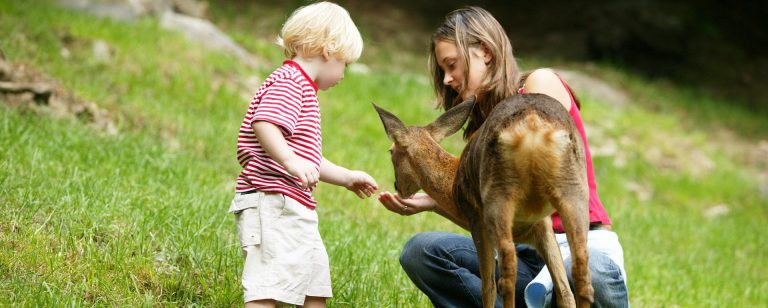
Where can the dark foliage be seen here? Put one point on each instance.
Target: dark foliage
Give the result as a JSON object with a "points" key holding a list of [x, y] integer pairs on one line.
{"points": [[716, 46]]}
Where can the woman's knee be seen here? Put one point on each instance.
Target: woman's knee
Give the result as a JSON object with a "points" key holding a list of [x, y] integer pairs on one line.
{"points": [[422, 246], [608, 281], [600, 265], [603, 268], [415, 249]]}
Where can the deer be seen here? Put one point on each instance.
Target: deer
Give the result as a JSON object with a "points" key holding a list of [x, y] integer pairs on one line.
{"points": [[523, 163]]}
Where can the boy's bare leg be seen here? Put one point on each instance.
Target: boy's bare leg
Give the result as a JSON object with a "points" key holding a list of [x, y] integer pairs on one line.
{"points": [[314, 302], [262, 303]]}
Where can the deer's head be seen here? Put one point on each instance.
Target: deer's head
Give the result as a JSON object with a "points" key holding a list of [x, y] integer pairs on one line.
{"points": [[414, 144]]}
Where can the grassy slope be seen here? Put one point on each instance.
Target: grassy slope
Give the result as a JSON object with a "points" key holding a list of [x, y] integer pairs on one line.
{"points": [[140, 218]]}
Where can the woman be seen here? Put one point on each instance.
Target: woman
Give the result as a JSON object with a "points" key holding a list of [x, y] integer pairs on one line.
{"points": [[470, 54]]}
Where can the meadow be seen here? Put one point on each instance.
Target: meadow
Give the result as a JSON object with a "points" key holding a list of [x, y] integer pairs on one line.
{"points": [[138, 217]]}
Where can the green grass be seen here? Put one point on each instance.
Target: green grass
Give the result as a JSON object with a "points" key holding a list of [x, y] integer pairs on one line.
{"points": [[139, 218]]}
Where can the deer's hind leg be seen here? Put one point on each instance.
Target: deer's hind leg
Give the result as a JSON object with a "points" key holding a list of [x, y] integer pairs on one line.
{"points": [[543, 238], [499, 214], [571, 199], [484, 244]]}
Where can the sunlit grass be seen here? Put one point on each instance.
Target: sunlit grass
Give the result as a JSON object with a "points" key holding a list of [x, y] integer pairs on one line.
{"points": [[139, 218]]}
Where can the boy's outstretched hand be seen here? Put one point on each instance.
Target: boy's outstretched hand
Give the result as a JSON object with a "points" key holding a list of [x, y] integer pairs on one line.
{"points": [[362, 184]]}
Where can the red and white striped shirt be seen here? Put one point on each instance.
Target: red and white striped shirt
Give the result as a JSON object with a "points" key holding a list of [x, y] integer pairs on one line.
{"points": [[287, 99]]}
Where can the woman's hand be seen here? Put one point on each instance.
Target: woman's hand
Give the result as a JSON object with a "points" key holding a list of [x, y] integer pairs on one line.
{"points": [[417, 203]]}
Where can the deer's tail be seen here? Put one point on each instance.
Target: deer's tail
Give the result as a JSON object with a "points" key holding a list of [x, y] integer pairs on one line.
{"points": [[534, 144]]}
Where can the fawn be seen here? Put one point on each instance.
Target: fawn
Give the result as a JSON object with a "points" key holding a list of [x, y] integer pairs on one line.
{"points": [[526, 161]]}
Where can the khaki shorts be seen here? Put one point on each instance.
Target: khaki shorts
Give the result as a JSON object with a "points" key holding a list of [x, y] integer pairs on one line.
{"points": [[285, 258]]}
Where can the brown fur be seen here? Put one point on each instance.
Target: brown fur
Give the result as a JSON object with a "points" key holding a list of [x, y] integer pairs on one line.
{"points": [[526, 161]]}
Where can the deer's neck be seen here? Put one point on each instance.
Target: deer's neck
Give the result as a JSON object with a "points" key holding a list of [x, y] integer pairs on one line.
{"points": [[437, 171]]}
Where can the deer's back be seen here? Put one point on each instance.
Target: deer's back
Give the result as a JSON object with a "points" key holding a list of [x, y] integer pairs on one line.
{"points": [[526, 145]]}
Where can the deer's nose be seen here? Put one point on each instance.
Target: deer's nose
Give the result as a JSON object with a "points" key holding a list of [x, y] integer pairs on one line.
{"points": [[395, 185]]}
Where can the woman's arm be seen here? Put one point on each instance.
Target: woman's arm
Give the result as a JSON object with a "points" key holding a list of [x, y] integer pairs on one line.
{"points": [[420, 203]]}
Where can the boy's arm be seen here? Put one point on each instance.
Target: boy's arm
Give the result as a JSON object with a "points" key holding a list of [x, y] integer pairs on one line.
{"points": [[357, 181], [272, 141], [333, 174]]}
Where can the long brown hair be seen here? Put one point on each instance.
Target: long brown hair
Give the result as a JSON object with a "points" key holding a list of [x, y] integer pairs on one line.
{"points": [[472, 27]]}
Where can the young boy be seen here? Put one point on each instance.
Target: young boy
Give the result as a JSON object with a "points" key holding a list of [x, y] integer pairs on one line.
{"points": [[279, 148]]}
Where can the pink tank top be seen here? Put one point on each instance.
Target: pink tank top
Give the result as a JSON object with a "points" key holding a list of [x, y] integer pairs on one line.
{"points": [[597, 213]]}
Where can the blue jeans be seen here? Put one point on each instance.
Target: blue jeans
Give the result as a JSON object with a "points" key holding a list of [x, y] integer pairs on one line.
{"points": [[444, 266]]}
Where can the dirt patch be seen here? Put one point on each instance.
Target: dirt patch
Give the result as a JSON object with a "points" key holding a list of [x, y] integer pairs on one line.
{"points": [[23, 87], [750, 153]]}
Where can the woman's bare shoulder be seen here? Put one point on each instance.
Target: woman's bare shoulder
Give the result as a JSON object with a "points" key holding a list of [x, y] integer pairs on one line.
{"points": [[546, 81], [542, 75]]}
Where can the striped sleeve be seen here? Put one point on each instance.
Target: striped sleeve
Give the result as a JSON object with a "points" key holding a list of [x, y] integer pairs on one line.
{"points": [[280, 105]]}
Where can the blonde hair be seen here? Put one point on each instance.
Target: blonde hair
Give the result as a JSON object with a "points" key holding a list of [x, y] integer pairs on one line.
{"points": [[321, 28], [475, 27]]}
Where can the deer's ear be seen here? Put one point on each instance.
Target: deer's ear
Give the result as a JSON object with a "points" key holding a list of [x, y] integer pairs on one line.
{"points": [[452, 120], [392, 125]]}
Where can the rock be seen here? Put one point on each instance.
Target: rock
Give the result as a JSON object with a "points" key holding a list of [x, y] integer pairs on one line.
{"points": [[598, 89], [41, 91], [65, 53], [192, 8], [642, 192], [717, 211], [124, 11], [207, 34], [101, 52], [185, 16]]}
